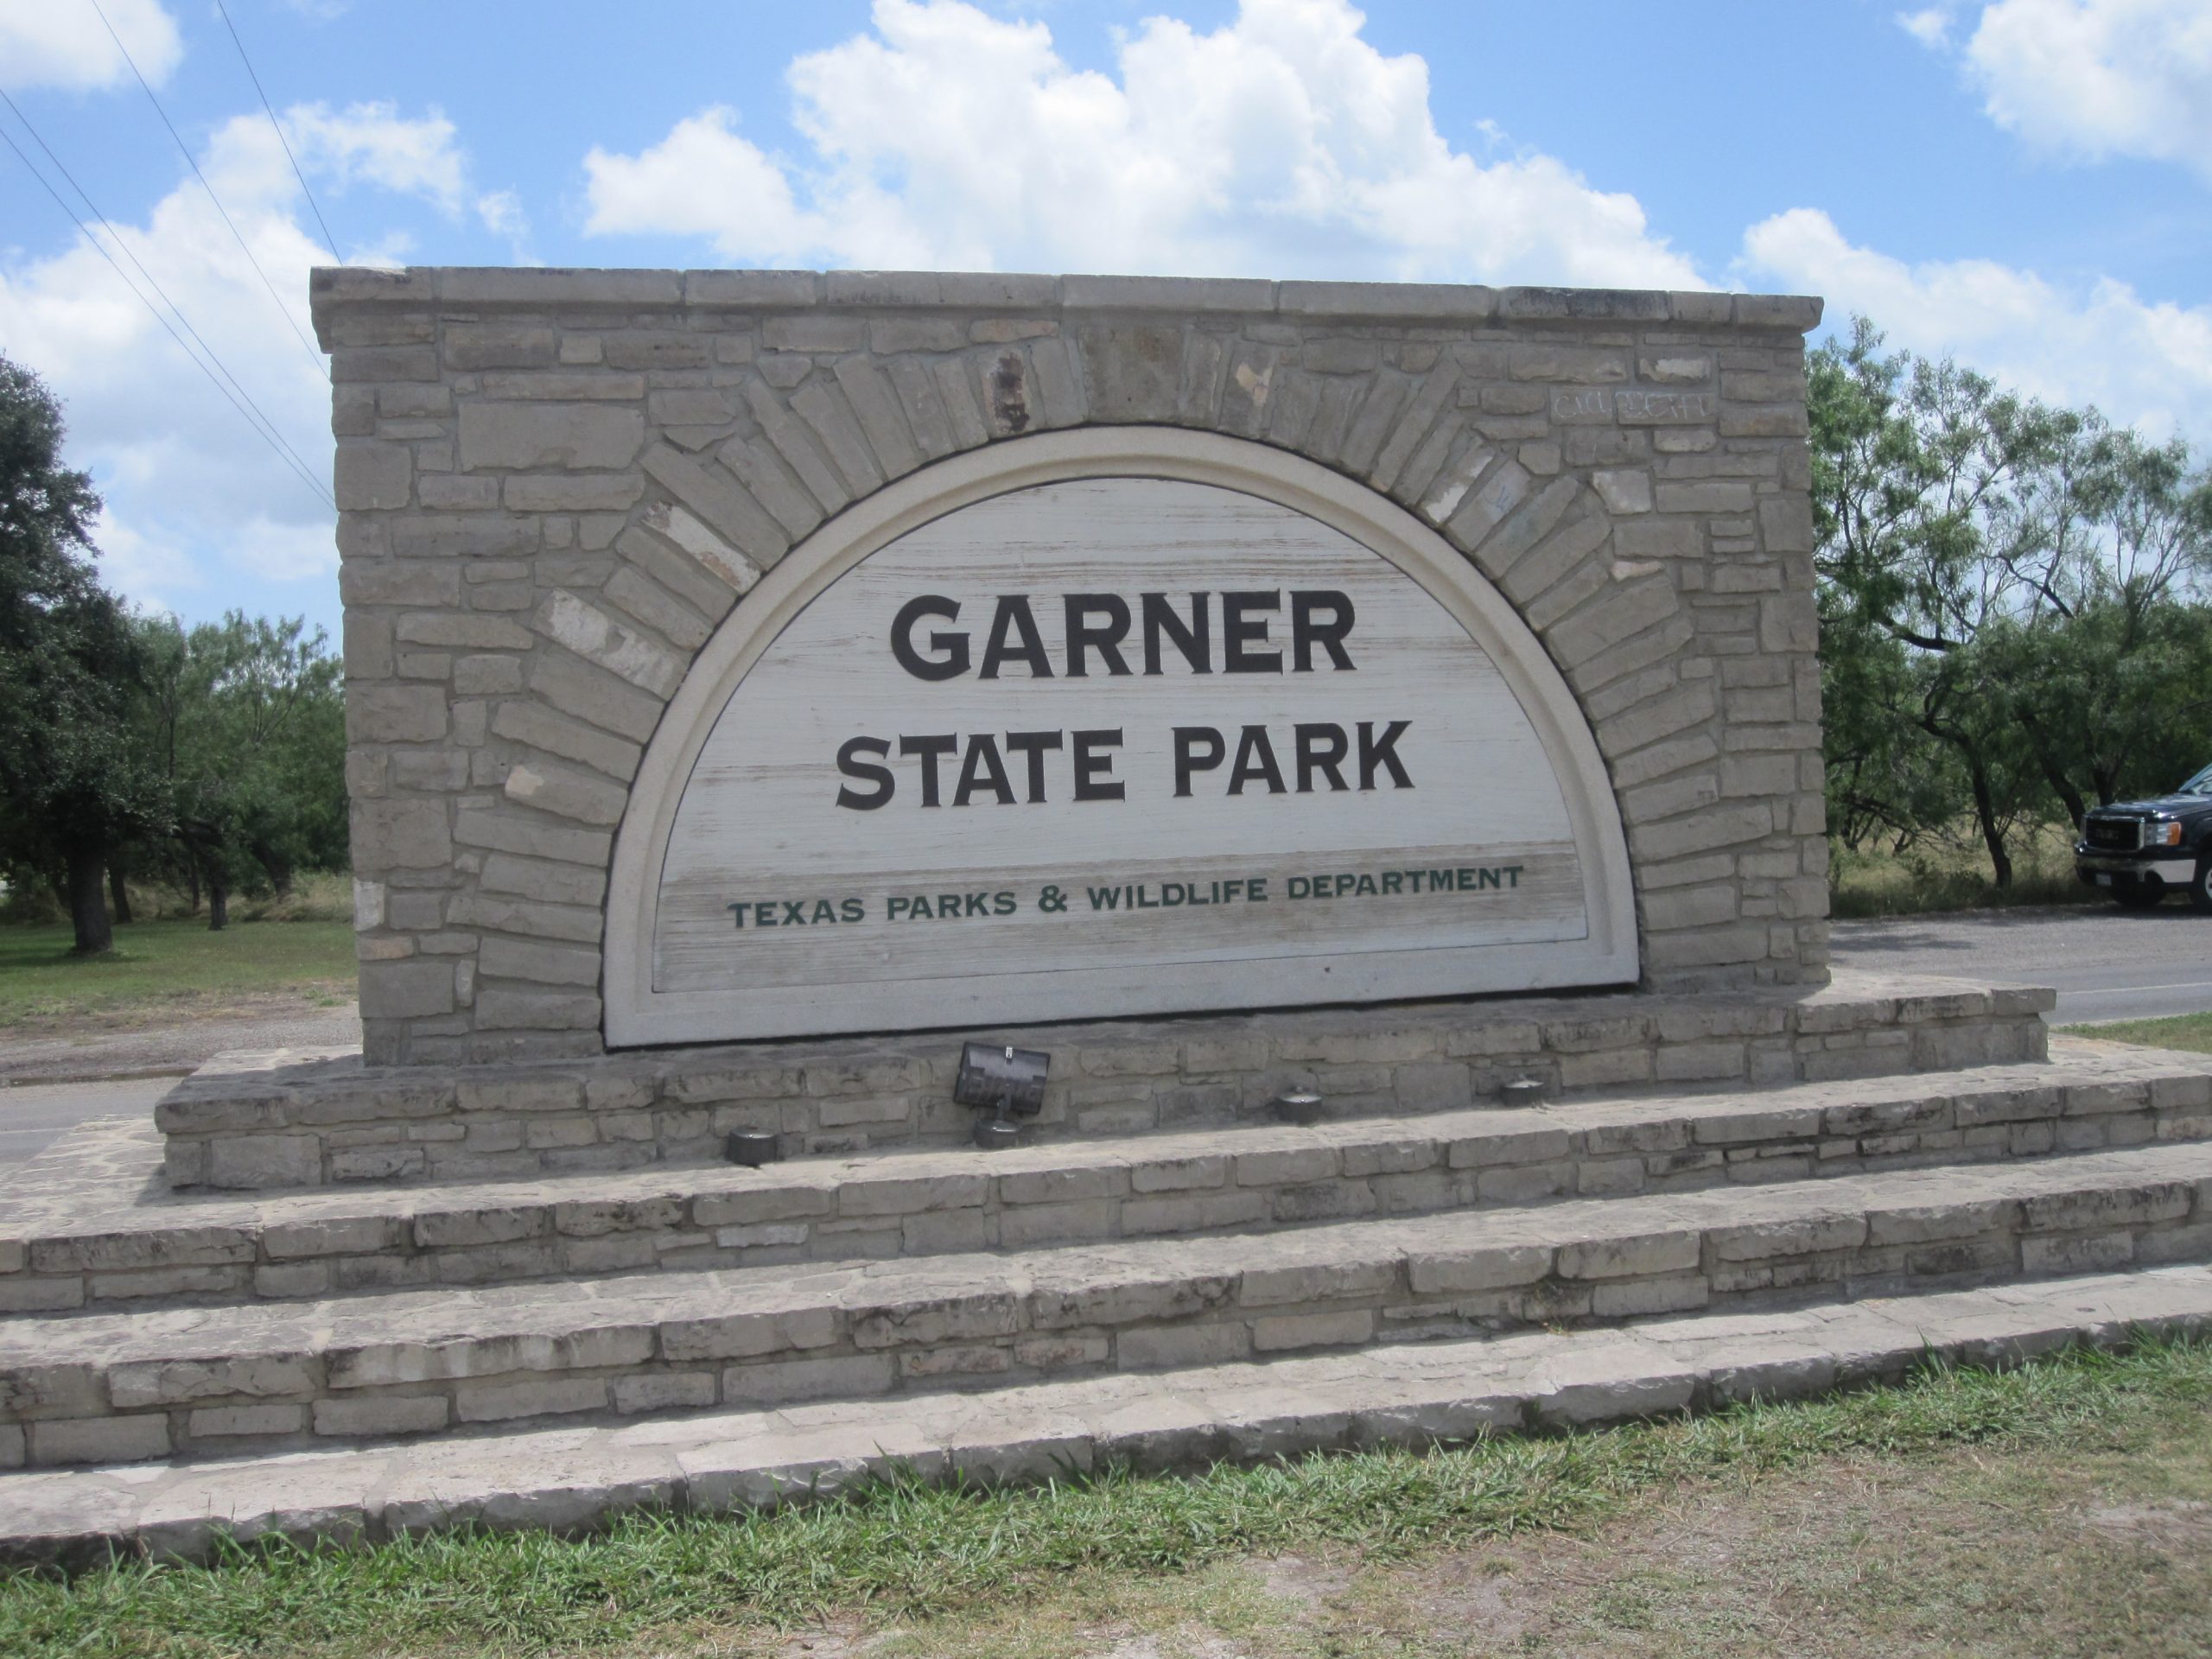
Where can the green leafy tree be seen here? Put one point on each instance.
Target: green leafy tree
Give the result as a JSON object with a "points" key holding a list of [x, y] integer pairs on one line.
{"points": [[246, 721], [1913, 462], [2012, 624], [74, 784], [2108, 671]]}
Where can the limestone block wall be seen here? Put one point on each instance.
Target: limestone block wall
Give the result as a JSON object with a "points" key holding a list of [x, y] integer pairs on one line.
{"points": [[553, 485]]}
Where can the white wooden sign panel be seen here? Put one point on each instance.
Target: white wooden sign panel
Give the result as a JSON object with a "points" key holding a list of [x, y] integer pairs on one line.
{"points": [[1106, 745]]}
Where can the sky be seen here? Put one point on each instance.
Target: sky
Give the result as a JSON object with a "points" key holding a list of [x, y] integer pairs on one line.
{"points": [[2026, 185]]}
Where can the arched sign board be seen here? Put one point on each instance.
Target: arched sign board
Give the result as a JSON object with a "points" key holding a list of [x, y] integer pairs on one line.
{"points": [[1111, 722]]}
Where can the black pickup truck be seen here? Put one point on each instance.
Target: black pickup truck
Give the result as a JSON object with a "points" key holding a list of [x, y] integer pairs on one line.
{"points": [[2141, 851]]}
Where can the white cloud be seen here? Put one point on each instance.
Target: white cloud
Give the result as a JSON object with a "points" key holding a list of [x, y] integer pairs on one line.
{"points": [[63, 43], [1279, 144], [371, 143], [2146, 363], [1931, 27], [2096, 78], [501, 212], [196, 502]]}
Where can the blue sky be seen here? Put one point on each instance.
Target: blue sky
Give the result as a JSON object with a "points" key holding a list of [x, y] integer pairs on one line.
{"points": [[2026, 184]]}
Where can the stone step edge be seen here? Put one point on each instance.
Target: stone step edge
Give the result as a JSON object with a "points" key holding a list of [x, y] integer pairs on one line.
{"points": [[279, 1119], [571, 1480], [97, 1388], [918, 1203], [1853, 999]]}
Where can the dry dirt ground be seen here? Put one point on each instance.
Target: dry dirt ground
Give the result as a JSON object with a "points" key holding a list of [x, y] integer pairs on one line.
{"points": [[2102, 1551], [181, 1034]]}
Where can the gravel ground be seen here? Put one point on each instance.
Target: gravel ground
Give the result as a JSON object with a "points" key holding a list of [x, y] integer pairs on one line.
{"points": [[177, 1047]]}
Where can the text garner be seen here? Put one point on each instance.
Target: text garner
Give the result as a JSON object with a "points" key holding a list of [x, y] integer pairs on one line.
{"points": [[1002, 768]]}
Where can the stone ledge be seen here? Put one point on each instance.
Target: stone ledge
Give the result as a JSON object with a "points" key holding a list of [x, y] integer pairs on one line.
{"points": [[85, 1232], [333, 287], [569, 1479], [289, 1119], [91, 1387]]}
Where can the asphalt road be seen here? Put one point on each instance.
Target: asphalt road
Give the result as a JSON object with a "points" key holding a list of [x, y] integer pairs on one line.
{"points": [[2106, 964]]}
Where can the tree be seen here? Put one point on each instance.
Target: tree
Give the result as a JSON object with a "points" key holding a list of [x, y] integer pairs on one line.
{"points": [[2011, 622], [1913, 462], [246, 723], [73, 785]]}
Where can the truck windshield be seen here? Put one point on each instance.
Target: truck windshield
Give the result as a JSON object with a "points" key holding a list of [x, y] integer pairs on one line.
{"points": [[2199, 785]]}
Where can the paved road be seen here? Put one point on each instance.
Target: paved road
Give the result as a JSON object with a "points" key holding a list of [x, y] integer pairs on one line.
{"points": [[35, 1109], [35, 1115], [2106, 962]]}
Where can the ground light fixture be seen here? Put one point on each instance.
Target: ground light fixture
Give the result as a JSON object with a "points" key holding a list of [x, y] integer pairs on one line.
{"points": [[1006, 1081], [752, 1147]]}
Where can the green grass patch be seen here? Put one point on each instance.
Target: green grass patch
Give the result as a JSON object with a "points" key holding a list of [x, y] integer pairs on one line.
{"points": [[1952, 872], [904, 1551], [172, 964], [2187, 1031]]}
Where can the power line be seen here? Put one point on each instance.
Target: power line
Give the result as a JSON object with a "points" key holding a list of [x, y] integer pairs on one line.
{"points": [[271, 433], [314, 206], [283, 451], [193, 164]]}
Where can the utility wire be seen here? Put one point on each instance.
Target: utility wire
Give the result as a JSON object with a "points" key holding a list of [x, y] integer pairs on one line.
{"points": [[268, 428], [282, 450], [316, 206], [313, 356]]}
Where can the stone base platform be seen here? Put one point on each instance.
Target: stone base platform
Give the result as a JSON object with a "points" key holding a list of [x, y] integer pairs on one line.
{"points": [[154, 1324], [569, 1479], [1163, 1271], [93, 1224], [293, 1118]]}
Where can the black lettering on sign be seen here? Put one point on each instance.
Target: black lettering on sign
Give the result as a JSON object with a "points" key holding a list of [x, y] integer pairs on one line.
{"points": [[1239, 630], [1092, 770], [1254, 762], [1013, 614], [849, 763], [952, 660], [1193, 640], [1321, 747], [1308, 630], [983, 769], [1382, 752], [1105, 637], [1033, 745], [1197, 749], [930, 748]]}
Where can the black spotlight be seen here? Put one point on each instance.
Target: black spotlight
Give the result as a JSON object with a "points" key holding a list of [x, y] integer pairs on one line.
{"points": [[1004, 1080]]}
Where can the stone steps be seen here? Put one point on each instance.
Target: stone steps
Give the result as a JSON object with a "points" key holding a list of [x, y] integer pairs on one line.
{"points": [[84, 1231], [99, 1386], [569, 1477], [289, 1118]]}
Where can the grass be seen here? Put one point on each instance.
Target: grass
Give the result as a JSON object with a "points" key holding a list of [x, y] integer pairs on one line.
{"points": [[2187, 1031], [1392, 1553], [1952, 872], [301, 946]]}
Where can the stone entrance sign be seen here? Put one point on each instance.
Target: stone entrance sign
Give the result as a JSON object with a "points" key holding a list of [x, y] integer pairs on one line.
{"points": [[624, 556], [1143, 735]]}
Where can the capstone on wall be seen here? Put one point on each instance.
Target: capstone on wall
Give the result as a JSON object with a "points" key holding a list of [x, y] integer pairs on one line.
{"points": [[555, 485]]}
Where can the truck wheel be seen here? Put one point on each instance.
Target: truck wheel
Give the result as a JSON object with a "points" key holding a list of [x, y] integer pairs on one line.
{"points": [[2200, 887], [2143, 895]]}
